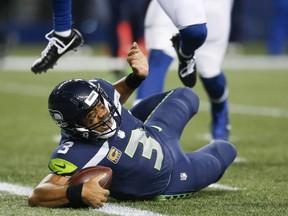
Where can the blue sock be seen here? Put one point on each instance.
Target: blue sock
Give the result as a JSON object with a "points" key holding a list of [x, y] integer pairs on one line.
{"points": [[192, 37], [216, 90], [159, 63], [62, 15]]}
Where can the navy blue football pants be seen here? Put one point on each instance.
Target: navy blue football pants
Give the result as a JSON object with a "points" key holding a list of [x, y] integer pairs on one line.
{"points": [[171, 111]]}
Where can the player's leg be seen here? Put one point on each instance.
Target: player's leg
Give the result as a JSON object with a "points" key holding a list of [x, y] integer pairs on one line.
{"points": [[158, 31], [159, 63], [197, 170], [223, 151], [189, 18], [217, 91], [61, 39], [62, 17], [150, 103], [169, 111], [174, 112], [209, 59]]}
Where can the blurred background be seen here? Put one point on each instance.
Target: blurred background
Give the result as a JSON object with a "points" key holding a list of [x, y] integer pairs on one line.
{"points": [[258, 26]]}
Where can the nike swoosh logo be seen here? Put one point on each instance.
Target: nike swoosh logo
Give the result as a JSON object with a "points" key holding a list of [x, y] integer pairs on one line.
{"points": [[61, 51], [158, 128], [61, 166]]}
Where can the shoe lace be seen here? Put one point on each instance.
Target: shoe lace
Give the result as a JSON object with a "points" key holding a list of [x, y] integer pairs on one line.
{"points": [[190, 68], [53, 41], [191, 65]]}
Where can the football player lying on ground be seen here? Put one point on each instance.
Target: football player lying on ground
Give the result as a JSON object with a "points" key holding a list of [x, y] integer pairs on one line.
{"points": [[140, 145]]}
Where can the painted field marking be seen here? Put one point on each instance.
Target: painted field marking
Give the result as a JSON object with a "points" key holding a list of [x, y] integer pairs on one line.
{"points": [[250, 110], [82, 61], [42, 91], [15, 189], [223, 187], [240, 160], [109, 208], [24, 89]]}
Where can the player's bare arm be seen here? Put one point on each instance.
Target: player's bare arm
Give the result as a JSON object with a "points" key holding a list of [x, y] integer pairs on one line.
{"points": [[51, 192], [139, 64]]}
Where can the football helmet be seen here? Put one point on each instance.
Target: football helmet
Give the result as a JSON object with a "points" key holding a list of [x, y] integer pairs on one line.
{"points": [[71, 100]]}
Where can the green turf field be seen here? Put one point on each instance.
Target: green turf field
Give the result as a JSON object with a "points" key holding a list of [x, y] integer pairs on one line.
{"points": [[259, 116]]}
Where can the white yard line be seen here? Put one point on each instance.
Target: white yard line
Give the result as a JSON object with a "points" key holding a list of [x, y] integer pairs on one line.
{"points": [[115, 209], [109, 208], [15, 189], [223, 187], [240, 160], [42, 91], [67, 63], [24, 89], [82, 62], [250, 110]]}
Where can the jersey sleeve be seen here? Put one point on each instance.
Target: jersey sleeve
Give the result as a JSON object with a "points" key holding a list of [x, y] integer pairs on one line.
{"points": [[72, 155]]}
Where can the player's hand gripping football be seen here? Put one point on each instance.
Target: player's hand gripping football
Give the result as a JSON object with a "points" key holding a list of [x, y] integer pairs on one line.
{"points": [[138, 61], [93, 194]]}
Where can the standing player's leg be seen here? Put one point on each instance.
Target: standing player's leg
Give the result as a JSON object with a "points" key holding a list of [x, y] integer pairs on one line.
{"points": [[209, 60], [158, 31], [61, 39], [189, 18], [159, 63], [217, 90]]}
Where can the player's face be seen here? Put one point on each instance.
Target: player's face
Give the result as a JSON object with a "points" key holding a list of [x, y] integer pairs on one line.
{"points": [[98, 119]]}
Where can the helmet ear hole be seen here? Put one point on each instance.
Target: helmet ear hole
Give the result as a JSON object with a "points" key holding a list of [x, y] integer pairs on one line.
{"points": [[85, 135]]}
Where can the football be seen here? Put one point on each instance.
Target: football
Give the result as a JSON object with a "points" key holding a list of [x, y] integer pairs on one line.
{"points": [[87, 173]]}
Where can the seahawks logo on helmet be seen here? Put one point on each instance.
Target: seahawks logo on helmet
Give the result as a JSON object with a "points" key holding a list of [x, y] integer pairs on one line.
{"points": [[58, 118]]}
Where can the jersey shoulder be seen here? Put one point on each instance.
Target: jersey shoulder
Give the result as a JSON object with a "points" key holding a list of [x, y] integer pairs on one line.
{"points": [[71, 156]]}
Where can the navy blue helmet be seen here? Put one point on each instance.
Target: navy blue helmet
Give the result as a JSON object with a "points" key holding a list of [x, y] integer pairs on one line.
{"points": [[71, 100]]}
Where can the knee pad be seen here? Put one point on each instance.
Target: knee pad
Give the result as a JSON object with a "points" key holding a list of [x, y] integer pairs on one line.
{"points": [[190, 97], [226, 151], [207, 169], [193, 37]]}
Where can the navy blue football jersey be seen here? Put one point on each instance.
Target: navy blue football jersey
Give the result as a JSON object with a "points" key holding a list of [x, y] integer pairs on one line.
{"points": [[141, 166]]}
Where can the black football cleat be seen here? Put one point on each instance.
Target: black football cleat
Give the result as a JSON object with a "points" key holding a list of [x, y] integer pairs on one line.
{"points": [[56, 47], [186, 67]]}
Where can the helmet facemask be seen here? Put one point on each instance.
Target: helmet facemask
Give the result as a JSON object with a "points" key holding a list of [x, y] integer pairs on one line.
{"points": [[108, 121]]}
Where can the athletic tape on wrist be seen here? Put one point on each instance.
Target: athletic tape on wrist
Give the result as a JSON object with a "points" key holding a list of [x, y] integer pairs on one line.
{"points": [[133, 81], [73, 194]]}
